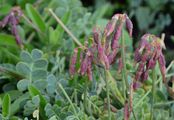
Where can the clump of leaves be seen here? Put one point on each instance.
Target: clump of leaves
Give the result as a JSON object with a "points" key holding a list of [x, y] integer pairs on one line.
{"points": [[39, 85]]}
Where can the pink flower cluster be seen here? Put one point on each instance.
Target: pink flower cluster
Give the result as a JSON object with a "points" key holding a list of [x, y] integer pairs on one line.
{"points": [[104, 46], [147, 54], [12, 19]]}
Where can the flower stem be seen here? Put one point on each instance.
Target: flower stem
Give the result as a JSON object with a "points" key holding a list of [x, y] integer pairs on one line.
{"points": [[154, 78], [85, 95], [69, 100], [108, 98], [65, 28], [124, 72]]}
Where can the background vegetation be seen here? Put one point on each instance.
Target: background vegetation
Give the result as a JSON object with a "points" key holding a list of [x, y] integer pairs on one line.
{"points": [[35, 80]]}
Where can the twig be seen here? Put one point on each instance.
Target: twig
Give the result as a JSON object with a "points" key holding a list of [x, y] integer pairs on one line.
{"points": [[69, 100], [124, 72], [65, 28], [108, 98], [154, 77]]}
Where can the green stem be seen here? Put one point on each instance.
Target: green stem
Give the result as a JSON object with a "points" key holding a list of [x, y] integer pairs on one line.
{"points": [[124, 72], [108, 98], [75, 92], [85, 95], [154, 78], [147, 93], [162, 104], [65, 28], [69, 100]]}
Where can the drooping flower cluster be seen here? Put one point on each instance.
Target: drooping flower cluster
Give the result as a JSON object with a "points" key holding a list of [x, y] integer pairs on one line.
{"points": [[12, 19], [148, 53], [104, 48]]}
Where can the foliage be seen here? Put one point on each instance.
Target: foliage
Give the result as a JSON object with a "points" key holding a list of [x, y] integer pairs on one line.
{"points": [[35, 81]]}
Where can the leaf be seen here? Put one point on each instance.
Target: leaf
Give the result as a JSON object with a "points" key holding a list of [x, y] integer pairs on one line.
{"points": [[21, 32], [35, 17], [41, 63], [5, 9], [16, 105], [39, 74], [8, 40], [144, 20], [26, 57], [6, 105], [33, 92], [56, 35], [36, 54], [6, 68], [14, 94], [40, 84], [51, 80], [23, 69], [22, 85]]}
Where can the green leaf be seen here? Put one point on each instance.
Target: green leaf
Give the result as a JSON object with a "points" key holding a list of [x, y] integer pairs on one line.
{"points": [[23, 69], [39, 74], [33, 92], [6, 105], [16, 105], [144, 20], [14, 94], [26, 57], [22, 85], [36, 100], [8, 40], [41, 63], [56, 35], [40, 84], [5, 9], [36, 54], [35, 17]]}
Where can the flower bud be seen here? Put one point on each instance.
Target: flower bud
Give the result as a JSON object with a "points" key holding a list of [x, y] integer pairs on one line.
{"points": [[73, 62], [129, 25], [102, 56], [116, 37], [162, 63], [110, 27]]}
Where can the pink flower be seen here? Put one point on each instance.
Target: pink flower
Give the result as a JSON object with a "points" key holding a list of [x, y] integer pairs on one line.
{"points": [[147, 54], [73, 62], [12, 19], [129, 25]]}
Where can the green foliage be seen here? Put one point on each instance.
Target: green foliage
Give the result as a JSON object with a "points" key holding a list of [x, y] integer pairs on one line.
{"points": [[6, 106], [35, 80]]}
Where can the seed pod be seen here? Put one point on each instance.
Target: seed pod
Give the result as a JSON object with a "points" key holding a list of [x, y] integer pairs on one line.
{"points": [[110, 27], [137, 56], [102, 56], [112, 56], [5, 21], [144, 75], [89, 69], [151, 64], [116, 37], [73, 62], [148, 53], [162, 63], [129, 25], [139, 71], [96, 35], [136, 85]]}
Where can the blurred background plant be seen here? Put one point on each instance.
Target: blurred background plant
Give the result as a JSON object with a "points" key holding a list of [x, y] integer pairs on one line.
{"points": [[38, 79]]}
